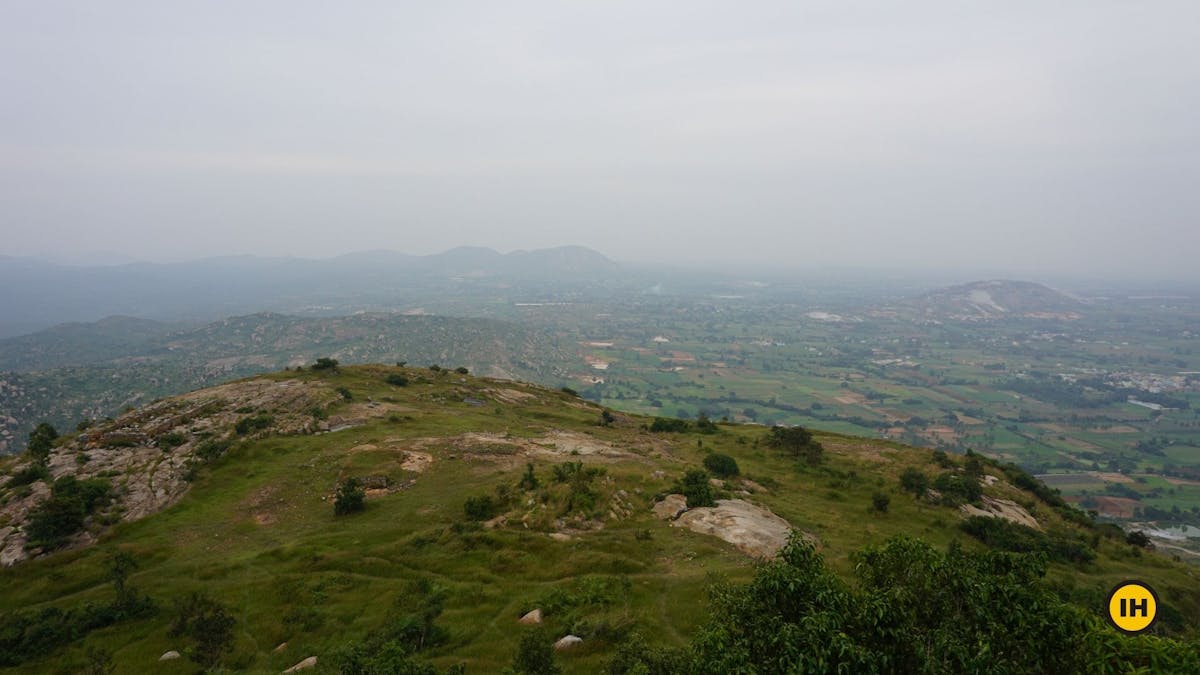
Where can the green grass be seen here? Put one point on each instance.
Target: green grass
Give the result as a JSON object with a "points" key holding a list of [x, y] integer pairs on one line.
{"points": [[257, 531]]}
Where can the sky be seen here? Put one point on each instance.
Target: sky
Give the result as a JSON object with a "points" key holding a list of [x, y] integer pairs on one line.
{"points": [[1031, 137]]}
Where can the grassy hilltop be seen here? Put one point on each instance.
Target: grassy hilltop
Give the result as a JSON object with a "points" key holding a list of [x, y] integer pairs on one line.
{"points": [[230, 492]]}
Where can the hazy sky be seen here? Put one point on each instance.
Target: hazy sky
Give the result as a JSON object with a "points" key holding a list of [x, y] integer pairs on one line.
{"points": [[1035, 137]]}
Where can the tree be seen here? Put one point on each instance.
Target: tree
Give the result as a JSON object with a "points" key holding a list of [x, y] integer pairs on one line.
{"points": [[880, 502], [350, 497], [528, 480], [481, 507], [606, 418], [41, 440], [796, 441], [325, 363]]}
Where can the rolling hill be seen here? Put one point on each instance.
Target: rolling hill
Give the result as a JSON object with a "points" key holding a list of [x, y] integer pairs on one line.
{"points": [[499, 517]]}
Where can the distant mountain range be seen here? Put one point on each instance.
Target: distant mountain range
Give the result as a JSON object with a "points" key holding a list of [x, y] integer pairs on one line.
{"points": [[43, 294]]}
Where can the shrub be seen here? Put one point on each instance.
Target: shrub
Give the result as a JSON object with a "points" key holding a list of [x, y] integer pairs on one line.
{"points": [[350, 497], [397, 380], [721, 466], [1139, 539], [212, 449], [528, 480], [695, 487], [705, 425], [957, 488], [880, 502], [256, 423], [41, 440], [345, 393], [30, 474], [569, 391], [669, 425], [481, 507], [325, 363], [914, 481], [461, 370], [170, 440], [208, 624], [535, 655], [71, 501]]}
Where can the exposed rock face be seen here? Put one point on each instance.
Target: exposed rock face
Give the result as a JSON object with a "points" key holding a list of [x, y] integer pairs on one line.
{"points": [[1002, 508], [146, 453], [753, 529], [531, 618], [310, 662], [670, 507]]}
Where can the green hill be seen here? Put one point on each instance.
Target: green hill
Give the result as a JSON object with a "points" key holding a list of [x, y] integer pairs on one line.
{"points": [[487, 499]]}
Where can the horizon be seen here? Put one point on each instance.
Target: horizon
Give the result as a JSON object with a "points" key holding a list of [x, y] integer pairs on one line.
{"points": [[1039, 140]]}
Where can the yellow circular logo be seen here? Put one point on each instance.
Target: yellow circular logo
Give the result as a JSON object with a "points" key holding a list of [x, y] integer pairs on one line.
{"points": [[1132, 607]]}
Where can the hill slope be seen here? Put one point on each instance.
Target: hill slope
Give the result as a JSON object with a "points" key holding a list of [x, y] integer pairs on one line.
{"points": [[995, 299], [484, 500]]}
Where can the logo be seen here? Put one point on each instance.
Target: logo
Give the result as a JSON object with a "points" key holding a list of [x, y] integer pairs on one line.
{"points": [[1132, 607]]}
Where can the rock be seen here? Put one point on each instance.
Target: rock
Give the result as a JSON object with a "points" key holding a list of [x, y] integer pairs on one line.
{"points": [[1002, 508], [670, 507], [310, 662], [531, 618], [753, 529], [659, 475], [567, 641], [752, 486], [989, 480], [169, 656], [560, 536], [498, 521], [282, 646]]}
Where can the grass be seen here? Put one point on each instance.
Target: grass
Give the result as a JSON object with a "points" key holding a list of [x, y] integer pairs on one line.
{"points": [[258, 532]]}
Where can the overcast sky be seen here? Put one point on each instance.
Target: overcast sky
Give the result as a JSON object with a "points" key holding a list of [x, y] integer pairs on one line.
{"points": [[1035, 137]]}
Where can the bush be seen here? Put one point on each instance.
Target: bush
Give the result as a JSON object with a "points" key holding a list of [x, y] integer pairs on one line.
{"points": [[54, 521], [461, 370], [669, 425], [535, 655], [721, 466], [41, 440], [345, 393], [796, 441], [705, 425], [695, 486], [208, 624], [31, 474], [170, 440], [350, 497], [914, 481], [1009, 536], [880, 502], [212, 449], [569, 391], [325, 363], [482, 507], [397, 380], [957, 488], [256, 423]]}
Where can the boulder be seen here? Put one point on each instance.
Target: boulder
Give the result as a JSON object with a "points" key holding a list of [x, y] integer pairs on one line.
{"points": [[566, 642], [310, 662], [169, 656], [282, 646], [670, 507], [531, 618], [753, 529]]}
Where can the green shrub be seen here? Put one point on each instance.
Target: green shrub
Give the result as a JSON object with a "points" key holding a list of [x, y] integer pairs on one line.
{"points": [[345, 393], [208, 624], [41, 440], [256, 423], [397, 380], [914, 481], [54, 521], [880, 502], [669, 425], [30, 474], [695, 486], [170, 440], [957, 488], [350, 497], [461, 370], [325, 363], [796, 441], [721, 466], [482, 507]]}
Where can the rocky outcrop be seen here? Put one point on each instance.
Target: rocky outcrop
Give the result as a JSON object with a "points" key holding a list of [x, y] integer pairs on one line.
{"points": [[753, 529], [1002, 508]]}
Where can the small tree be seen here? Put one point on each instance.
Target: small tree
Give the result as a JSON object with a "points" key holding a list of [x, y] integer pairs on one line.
{"points": [[325, 363], [796, 441], [482, 507], [606, 418], [880, 502], [695, 487], [350, 497], [41, 440], [462, 370]]}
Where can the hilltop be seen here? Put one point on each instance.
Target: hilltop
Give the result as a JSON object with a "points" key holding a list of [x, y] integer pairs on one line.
{"points": [[995, 299], [486, 499]]}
